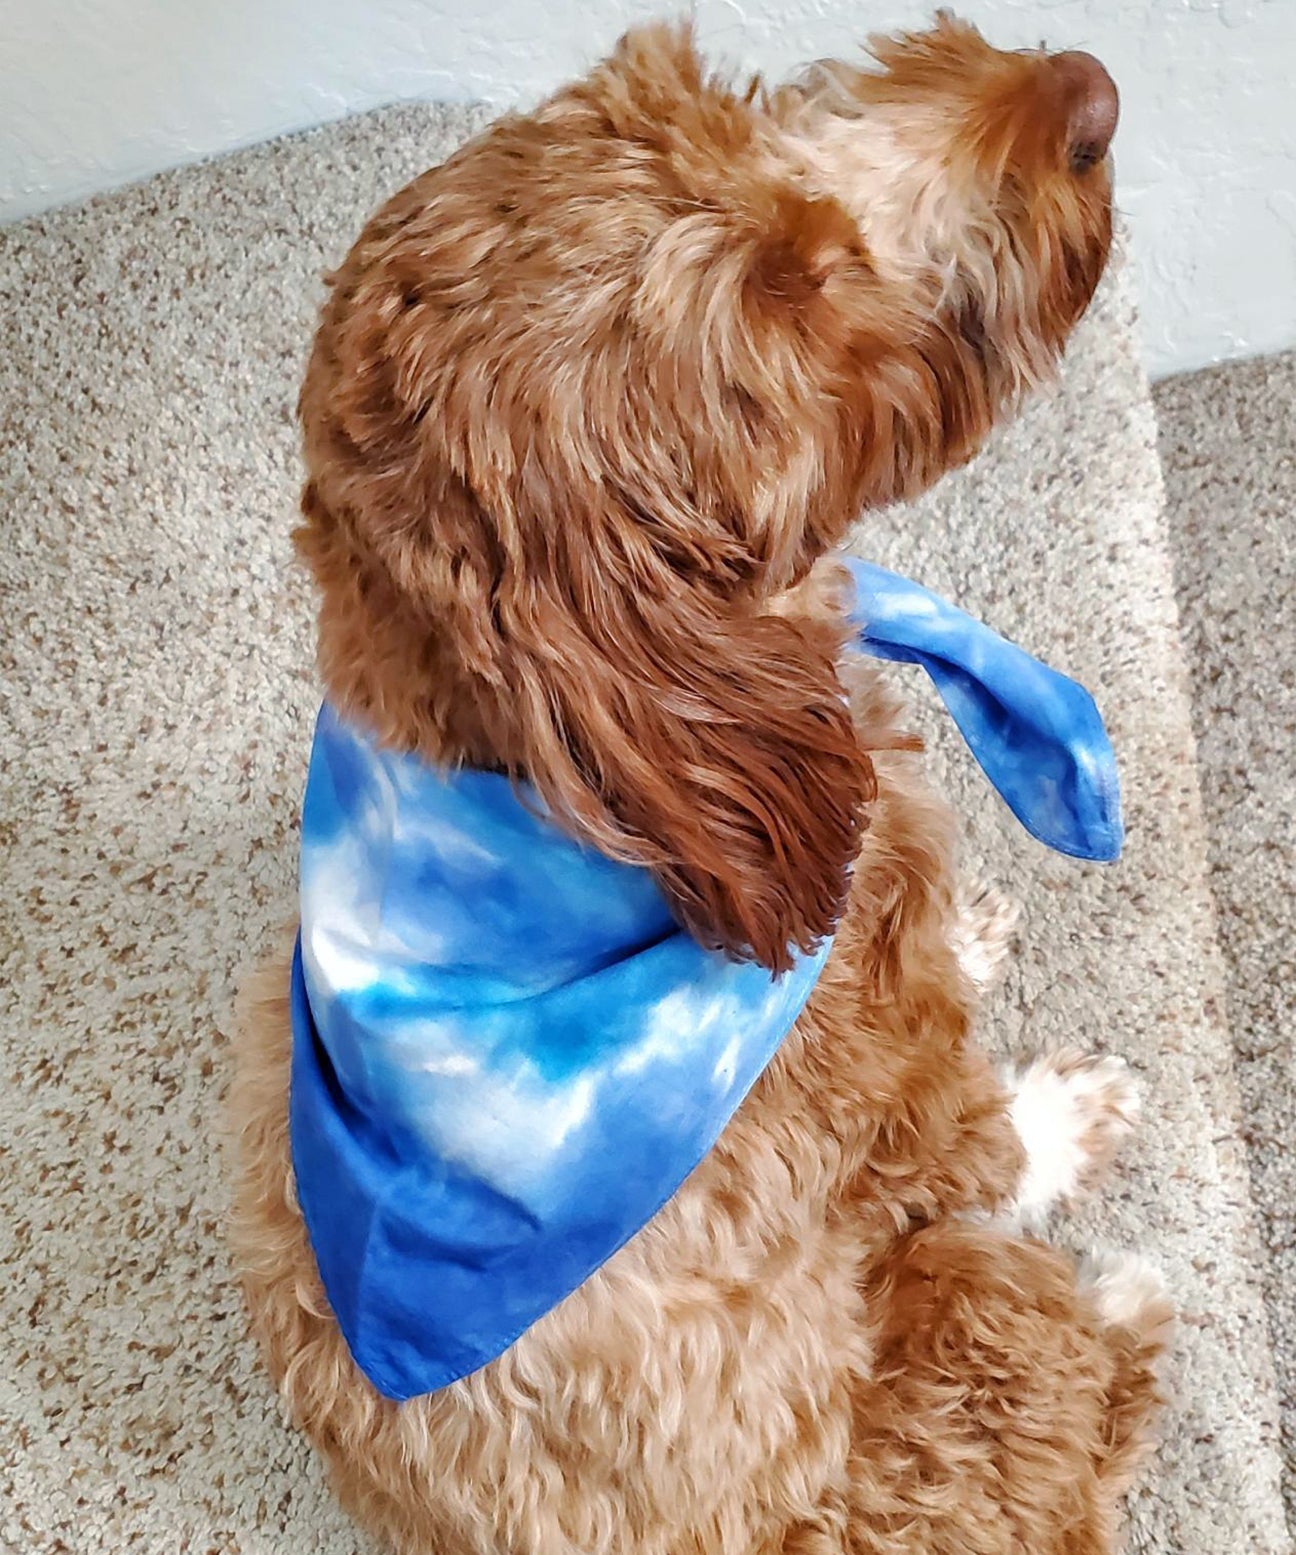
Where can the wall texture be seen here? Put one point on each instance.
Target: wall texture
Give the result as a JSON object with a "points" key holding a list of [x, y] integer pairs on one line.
{"points": [[94, 93]]}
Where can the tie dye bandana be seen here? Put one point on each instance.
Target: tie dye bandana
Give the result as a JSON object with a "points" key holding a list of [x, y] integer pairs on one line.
{"points": [[507, 1055], [1037, 735]]}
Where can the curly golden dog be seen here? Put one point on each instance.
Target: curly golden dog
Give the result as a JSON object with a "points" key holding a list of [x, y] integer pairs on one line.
{"points": [[589, 407]]}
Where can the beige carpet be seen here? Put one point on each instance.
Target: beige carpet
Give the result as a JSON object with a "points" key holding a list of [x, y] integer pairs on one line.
{"points": [[155, 672], [1228, 443]]}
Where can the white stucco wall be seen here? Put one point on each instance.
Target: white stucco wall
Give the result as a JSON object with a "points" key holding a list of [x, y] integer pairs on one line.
{"points": [[94, 93]]}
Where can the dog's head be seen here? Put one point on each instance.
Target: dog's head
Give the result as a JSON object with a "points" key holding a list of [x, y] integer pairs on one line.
{"points": [[981, 184], [589, 398]]}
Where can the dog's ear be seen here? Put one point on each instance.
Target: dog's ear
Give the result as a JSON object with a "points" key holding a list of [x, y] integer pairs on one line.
{"points": [[656, 719], [715, 748]]}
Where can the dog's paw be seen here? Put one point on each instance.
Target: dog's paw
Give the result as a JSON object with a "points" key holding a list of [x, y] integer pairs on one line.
{"points": [[1129, 1292], [984, 926], [1071, 1111]]}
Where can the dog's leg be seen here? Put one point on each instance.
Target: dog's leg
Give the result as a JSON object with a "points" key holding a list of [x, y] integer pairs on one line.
{"points": [[1071, 1111], [1030, 1392], [984, 926], [1135, 1309]]}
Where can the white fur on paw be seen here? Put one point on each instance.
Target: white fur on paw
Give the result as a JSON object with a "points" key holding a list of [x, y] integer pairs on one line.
{"points": [[1071, 1112], [983, 931], [1128, 1291]]}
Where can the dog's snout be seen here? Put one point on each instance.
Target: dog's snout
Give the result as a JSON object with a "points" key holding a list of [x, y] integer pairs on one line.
{"points": [[1093, 106]]}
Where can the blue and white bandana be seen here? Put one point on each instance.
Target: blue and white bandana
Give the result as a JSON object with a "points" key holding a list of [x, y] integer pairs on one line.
{"points": [[507, 1055], [1038, 736]]}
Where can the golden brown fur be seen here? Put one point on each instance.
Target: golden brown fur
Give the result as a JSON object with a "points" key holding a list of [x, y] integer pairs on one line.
{"points": [[587, 405]]}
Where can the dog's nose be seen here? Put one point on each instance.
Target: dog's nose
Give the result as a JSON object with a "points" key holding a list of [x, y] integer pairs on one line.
{"points": [[1093, 106]]}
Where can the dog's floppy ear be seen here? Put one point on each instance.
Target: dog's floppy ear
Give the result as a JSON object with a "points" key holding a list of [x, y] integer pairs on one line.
{"points": [[715, 748], [657, 720]]}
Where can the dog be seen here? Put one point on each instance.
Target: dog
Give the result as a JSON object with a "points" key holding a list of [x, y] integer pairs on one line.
{"points": [[589, 407]]}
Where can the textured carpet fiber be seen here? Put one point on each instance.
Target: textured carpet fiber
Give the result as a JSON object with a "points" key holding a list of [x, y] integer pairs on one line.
{"points": [[157, 692], [1228, 444]]}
